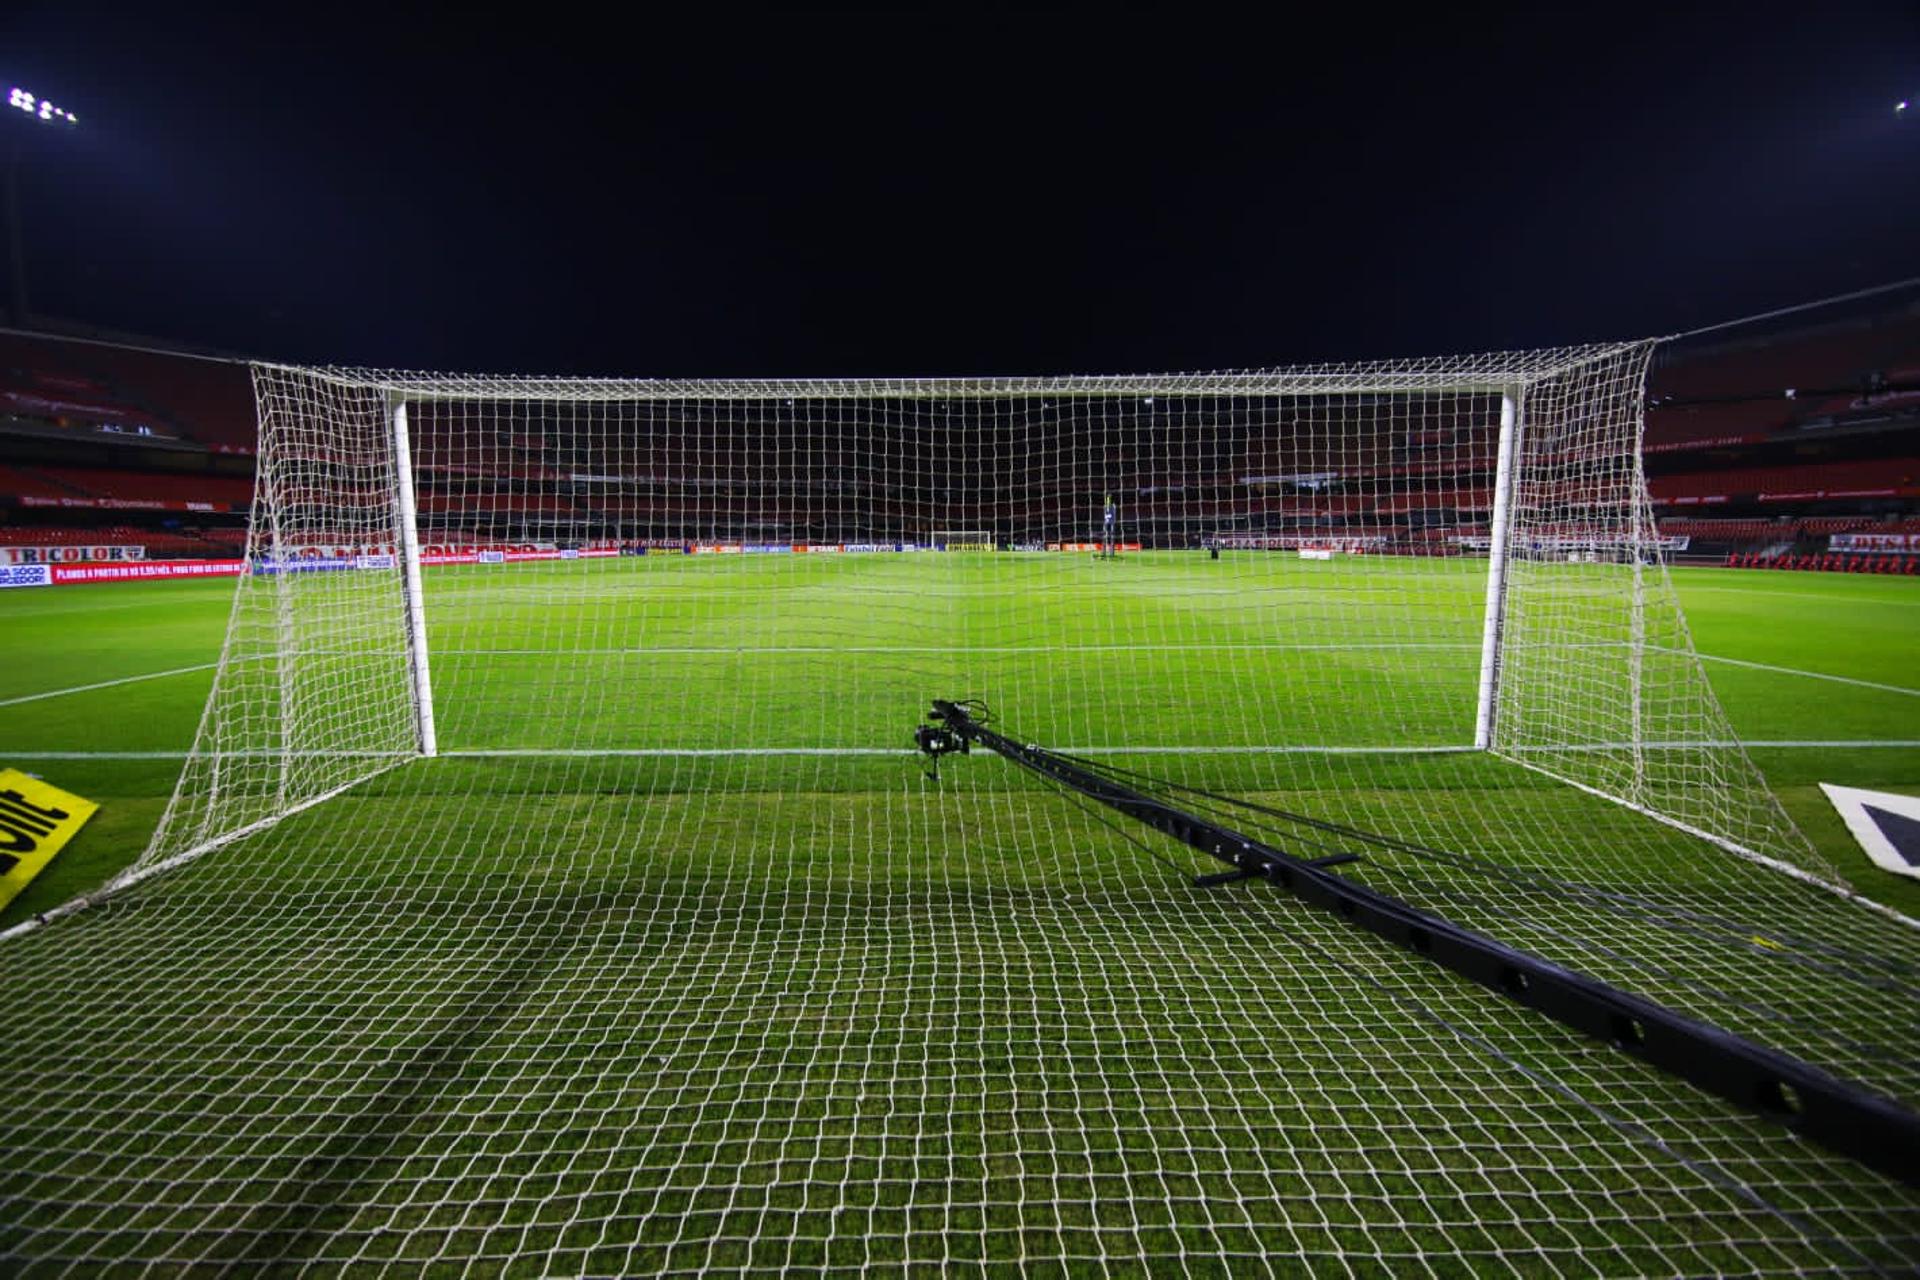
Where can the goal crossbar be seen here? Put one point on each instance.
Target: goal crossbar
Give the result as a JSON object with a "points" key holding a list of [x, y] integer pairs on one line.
{"points": [[1491, 374]]}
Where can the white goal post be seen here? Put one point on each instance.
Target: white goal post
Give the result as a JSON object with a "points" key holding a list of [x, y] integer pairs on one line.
{"points": [[406, 521], [1499, 530]]}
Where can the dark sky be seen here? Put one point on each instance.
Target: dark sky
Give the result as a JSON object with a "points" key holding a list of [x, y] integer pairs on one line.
{"points": [[976, 193]]}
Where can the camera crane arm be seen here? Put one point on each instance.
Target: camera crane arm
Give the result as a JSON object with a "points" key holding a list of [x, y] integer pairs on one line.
{"points": [[1842, 1117]]}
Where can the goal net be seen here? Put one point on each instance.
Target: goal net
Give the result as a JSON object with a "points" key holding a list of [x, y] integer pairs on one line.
{"points": [[553, 888]]}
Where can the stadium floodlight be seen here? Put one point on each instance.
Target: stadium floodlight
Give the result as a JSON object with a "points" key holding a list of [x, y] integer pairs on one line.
{"points": [[39, 108], [33, 107]]}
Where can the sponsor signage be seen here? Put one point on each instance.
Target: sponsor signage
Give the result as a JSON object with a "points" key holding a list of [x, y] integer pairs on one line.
{"points": [[1574, 542], [1874, 541], [516, 555], [36, 821], [305, 564], [123, 504], [1808, 495], [148, 570], [1294, 541], [1794, 495], [25, 575], [1708, 442], [71, 554], [40, 575]]}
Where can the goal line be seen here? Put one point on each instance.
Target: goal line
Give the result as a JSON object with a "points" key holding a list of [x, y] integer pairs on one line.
{"points": [[534, 753]]}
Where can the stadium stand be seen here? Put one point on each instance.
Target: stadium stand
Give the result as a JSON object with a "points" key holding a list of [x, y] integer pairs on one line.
{"points": [[86, 383], [1865, 478], [1728, 530], [153, 486], [1804, 444], [27, 482], [128, 452], [1794, 448], [156, 543]]}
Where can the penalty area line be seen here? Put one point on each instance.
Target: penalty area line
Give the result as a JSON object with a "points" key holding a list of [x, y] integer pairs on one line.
{"points": [[1811, 675], [744, 650], [106, 684]]}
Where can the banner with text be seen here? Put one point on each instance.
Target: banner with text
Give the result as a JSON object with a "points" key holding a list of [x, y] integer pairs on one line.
{"points": [[36, 821], [147, 570], [97, 553], [1890, 542], [123, 504]]}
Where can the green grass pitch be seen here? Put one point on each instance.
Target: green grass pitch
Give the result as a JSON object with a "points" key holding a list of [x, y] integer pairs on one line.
{"points": [[1857, 627], [816, 1013]]}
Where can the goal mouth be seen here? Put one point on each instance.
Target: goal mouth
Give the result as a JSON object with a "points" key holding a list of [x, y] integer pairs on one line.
{"points": [[964, 540], [554, 879]]}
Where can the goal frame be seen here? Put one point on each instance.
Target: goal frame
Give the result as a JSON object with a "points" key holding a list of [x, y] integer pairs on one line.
{"points": [[1579, 383], [945, 538], [1493, 634]]}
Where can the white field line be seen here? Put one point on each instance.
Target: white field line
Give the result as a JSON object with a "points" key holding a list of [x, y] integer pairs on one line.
{"points": [[106, 684], [649, 651], [583, 753], [1811, 675], [1832, 598]]}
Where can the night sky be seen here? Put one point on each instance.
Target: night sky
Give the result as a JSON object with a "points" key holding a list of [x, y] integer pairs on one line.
{"points": [[976, 193]]}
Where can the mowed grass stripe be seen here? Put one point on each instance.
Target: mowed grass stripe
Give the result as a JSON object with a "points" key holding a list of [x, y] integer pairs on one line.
{"points": [[106, 684], [1814, 675]]}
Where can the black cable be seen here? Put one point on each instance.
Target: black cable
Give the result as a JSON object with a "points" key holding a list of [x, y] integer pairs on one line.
{"points": [[1852, 965], [1850, 1118]]}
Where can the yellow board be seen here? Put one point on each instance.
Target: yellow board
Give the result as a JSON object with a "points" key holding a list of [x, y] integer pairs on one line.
{"points": [[36, 820]]}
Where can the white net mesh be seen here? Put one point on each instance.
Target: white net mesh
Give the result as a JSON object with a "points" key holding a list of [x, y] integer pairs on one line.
{"points": [[674, 960]]}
